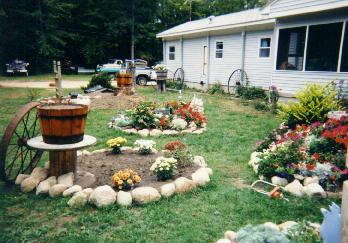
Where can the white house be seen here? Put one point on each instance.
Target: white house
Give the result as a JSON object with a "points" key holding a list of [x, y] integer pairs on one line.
{"points": [[288, 43]]}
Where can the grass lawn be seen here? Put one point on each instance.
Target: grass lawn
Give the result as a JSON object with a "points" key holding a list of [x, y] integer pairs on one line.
{"points": [[47, 77], [201, 216]]}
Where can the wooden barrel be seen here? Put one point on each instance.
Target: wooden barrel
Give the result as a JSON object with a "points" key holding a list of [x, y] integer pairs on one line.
{"points": [[62, 123], [161, 75], [124, 80]]}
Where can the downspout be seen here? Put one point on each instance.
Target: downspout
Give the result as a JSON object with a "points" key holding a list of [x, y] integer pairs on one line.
{"points": [[208, 54], [182, 52], [164, 52], [243, 51]]}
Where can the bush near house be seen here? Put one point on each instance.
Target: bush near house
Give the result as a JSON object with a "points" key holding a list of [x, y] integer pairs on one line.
{"points": [[103, 79], [251, 92], [216, 88]]}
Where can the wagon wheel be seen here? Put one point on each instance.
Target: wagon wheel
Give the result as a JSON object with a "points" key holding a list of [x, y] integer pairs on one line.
{"points": [[179, 78], [15, 155], [237, 78]]}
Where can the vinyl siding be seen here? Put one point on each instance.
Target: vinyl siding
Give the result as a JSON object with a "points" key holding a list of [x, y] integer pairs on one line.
{"points": [[289, 5], [221, 68], [259, 70], [173, 64], [193, 59]]}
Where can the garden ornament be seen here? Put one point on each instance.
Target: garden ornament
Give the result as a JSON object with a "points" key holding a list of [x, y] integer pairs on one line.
{"points": [[275, 193]]}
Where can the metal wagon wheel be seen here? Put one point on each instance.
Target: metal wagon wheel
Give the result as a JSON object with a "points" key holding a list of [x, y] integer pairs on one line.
{"points": [[179, 78], [237, 78], [15, 155]]}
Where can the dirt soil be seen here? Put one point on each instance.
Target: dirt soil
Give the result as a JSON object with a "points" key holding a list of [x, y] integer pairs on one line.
{"points": [[104, 165], [109, 101]]}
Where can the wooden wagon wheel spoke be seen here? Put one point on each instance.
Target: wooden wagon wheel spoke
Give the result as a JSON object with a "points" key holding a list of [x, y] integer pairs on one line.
{"points": [[15, 155]]}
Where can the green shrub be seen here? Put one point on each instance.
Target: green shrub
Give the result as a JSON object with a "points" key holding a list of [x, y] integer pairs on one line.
{"points": [[260, 234], [303, 232], [143, 115], [251, 92], [103, 79], [183, 156], [171, 84], [216, 89], [314, 102], [261, 105]]}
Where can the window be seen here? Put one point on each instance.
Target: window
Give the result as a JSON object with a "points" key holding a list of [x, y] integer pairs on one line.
{"points": [[265, 47], [219, 49], [291, 44], [172, 53], [344, 58], [323, 47]]}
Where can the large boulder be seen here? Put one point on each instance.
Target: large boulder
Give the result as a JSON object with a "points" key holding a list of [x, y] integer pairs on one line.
{"points": [[206, 169], [199, 161], [200, 177], [295, 188], [66, 179], [310, 180], [44, 186], [72, 190], [78, 200], [29, 184], [124, 198], [85, 179], [102, 196], [145, 195], [183, 184], [20, 178], [314, 190], [230, 235], [88, 191], [39, 173], [168, 190], [57, 190], [276, 180]]}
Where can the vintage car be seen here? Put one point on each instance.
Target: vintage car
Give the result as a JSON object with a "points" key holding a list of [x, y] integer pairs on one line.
{"points": [[17, 66], [113, 66], [143, 73]]}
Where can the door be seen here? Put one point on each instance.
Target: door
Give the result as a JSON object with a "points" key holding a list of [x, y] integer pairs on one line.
{"points": [[205, 60]]}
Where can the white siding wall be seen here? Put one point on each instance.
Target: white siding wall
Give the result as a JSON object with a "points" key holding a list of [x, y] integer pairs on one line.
{"points": [[221, 68], [193, 59], [288, 5], [259, 70], [173, 64]]}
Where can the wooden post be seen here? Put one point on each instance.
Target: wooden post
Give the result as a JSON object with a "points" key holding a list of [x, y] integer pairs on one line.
{"points": [[58, 79], [344, 214], [62, 162]]}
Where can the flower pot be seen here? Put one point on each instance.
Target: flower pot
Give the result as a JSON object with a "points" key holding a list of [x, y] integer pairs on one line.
{"points": [[62, 123], [124, 80], [161, 75]]}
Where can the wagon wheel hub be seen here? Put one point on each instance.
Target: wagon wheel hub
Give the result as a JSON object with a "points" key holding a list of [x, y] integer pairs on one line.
{"points": [[22, 142]]}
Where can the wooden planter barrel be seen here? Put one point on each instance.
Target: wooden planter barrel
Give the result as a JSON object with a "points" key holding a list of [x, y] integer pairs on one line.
{"points": [[62, 123], [124, 80], [161, 75]]}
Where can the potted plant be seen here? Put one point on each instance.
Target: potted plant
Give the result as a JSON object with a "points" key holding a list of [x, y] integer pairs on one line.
{"points": [[161, 72]]}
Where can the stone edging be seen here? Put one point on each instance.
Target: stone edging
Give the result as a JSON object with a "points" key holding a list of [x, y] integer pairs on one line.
{"points": [[105, 195]]}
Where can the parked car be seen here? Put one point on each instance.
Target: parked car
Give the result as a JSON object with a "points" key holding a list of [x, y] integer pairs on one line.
{"points": [[143, 73], [17, 66], [113, 66]]}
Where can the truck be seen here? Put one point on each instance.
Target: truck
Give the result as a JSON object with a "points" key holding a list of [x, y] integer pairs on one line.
{"points": [[112, 66], [143, 73]]}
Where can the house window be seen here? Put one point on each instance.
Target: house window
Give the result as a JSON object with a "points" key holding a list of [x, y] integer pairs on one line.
{"points": [[172, 53], [265, 47], [323, 47], [344, 58], [291, 45], [219, 49]]}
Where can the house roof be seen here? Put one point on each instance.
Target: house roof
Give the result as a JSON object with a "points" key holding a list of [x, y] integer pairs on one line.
{"points": [[227, 21]]}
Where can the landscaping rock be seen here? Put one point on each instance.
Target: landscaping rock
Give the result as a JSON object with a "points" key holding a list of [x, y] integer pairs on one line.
{"points": [[200, 177], [43, 187], [155, 133], [310, 180], [144, 132], [29, 184], [170, 132], [52, 180], [199, 161], [192, 126], [230, 235], [86, 152], [85, 179], [168, 190], [224, 241], [102, 196], [39, 173], [131, 131], [145, 194], [207, 170], [98, 151], [284, 227], [66, 179], [183, 184], [299, 177], [72, 190], [271, 225], [78, 200], [20, 178], [57, 190], [295, 188], [314, 190], [87, 191], [187, 131], [198, 131], [124, 198], [276, 180]]}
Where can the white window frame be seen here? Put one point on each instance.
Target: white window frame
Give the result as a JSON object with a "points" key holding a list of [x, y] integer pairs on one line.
{"points": [[344, 29], [171, 52], [219, 50], [263, 48]]}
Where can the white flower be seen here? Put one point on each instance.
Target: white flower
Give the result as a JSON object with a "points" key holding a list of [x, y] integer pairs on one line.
{"points": [[179, 124], [145, 146]]}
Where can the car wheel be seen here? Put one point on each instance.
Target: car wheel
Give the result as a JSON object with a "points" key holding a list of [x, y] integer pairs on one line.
{"points": [[142, 81]]}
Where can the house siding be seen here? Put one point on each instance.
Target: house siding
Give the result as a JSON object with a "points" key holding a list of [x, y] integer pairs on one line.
{"points": [[259, 70], [173, 64], [289, 5]]}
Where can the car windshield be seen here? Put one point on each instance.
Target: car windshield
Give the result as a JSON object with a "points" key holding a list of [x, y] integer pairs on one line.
{"points": [[111, 61]]}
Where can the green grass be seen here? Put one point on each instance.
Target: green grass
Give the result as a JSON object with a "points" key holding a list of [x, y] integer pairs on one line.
{"points": [[47, 77], [201, 216]]}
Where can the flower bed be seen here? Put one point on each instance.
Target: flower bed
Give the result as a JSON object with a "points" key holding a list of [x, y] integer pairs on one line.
{"points": [[313, 154], [149, 119]]}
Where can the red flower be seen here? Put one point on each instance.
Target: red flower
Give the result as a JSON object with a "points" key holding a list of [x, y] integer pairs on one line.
{"points": [[315, 156], [310, 167]]}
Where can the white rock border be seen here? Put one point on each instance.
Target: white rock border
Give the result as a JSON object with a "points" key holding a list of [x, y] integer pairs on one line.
{"points": [[102, 196]]}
